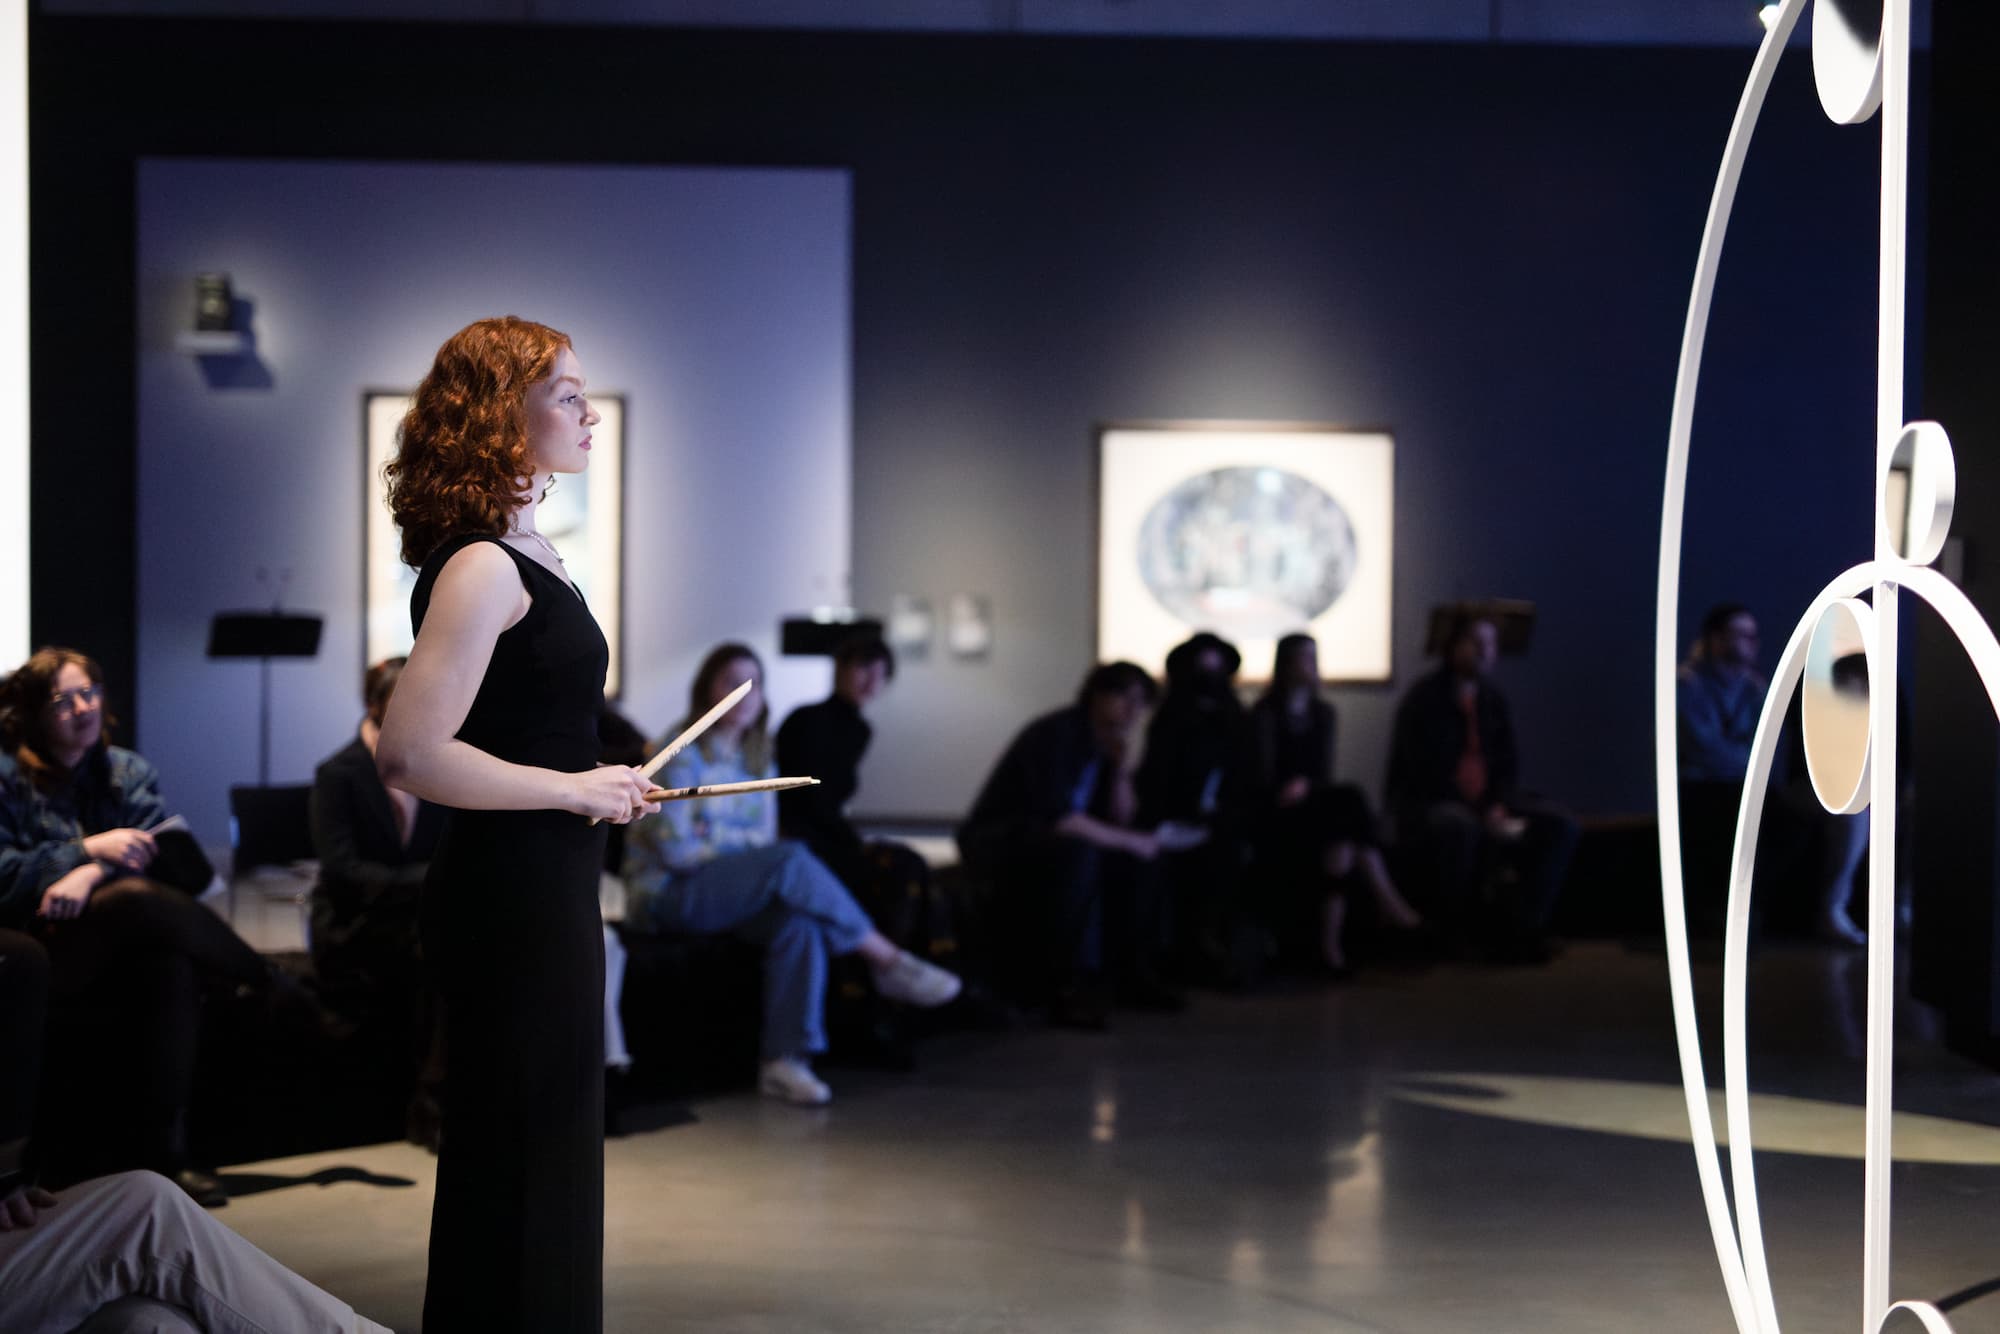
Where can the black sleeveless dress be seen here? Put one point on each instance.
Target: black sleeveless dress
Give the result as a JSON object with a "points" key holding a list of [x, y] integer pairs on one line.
{"points": [[511, 934]]}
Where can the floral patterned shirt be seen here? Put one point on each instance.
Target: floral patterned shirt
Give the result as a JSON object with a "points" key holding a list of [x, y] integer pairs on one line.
{"points": [[686, 835]]}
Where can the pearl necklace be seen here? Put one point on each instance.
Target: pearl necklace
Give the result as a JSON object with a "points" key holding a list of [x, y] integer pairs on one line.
{"points": [[546, 545]]}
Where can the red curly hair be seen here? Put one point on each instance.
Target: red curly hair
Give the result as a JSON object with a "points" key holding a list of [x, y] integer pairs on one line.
{"points": [[462, 462]]}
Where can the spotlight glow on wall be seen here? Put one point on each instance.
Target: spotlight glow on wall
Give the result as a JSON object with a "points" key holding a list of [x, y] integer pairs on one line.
{"points": [[14, 386]]}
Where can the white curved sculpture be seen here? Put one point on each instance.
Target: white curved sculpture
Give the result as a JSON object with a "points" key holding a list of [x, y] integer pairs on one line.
{"points": [[1856, 68]]}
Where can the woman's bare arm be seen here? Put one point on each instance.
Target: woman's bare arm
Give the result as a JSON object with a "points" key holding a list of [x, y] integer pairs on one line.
{"points": [[478, 596]]}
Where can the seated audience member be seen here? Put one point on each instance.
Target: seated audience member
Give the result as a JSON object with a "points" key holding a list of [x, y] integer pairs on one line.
{"points": [[1719, 695], [716, 865], [827, 741], [1314, 835], [1494, 862], [129, 1253], [75, 813], [1054, 830], [374, 844], [1194, 773]]}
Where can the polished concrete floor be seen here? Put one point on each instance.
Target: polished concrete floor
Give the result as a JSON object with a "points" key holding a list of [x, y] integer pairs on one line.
{"points": [[1456, 1149]]}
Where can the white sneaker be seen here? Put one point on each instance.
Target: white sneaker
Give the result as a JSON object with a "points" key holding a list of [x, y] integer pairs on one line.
{"points": [[912, 981], [790, 1079]]}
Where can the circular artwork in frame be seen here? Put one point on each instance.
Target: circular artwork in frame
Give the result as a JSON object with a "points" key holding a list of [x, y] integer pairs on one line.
{"points": [[1247, 552], [1252, 530]]}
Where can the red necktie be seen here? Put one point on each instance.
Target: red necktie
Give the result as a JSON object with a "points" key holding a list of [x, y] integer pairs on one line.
{"points": [[1471, 773]]}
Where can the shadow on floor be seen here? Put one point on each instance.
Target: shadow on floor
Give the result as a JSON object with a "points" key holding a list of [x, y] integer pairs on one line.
{"points": [[1965, 1295], [239, 1184]]}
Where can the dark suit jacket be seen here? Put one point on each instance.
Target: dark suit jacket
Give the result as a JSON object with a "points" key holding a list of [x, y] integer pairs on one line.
{"points": [[366, 874], [1430, 736], [1033, 786]]}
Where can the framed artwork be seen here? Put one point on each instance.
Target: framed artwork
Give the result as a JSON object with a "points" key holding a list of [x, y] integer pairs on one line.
{"points": [[968, 626], [584, 516], [911, 625], [1252, 530]]}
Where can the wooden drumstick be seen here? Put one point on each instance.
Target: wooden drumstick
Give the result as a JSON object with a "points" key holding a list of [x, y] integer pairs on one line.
{"points": [[728, 789], [700, 725], [694, 731]]}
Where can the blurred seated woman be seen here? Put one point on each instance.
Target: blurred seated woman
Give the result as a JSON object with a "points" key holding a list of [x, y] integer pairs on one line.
{"points": [[75, 813], [1316, 835], [716, 865]]}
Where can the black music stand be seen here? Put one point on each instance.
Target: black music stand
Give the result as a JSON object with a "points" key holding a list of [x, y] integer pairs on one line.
{"points": [[821, 634], [264, 635]]}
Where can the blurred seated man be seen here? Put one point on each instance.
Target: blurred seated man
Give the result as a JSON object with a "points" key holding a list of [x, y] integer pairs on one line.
{"points": [[827, 741], [374, 845], [1494, 861], [1054, 830], [1719, 695], [1719, 698]]}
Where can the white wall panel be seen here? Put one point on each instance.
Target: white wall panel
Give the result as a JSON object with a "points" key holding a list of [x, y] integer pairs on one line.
{"points": [[715, 300]]}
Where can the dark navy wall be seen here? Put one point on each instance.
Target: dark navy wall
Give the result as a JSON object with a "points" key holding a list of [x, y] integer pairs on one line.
{"points": [[1484, 249]]}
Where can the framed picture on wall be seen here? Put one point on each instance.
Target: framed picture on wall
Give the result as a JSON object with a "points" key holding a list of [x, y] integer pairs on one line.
{"points": [[584, 516], [1252, 530]]}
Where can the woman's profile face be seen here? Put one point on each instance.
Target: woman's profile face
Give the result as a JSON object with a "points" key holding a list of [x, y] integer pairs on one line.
{"points": [[559, 418]]}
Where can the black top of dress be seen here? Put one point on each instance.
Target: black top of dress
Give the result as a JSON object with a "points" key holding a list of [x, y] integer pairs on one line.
{"points": [[826, 741], [544, 686]]}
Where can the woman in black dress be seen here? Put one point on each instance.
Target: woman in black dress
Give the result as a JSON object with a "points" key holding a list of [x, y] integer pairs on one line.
{"points": [[1316, 835], [495, 718]]}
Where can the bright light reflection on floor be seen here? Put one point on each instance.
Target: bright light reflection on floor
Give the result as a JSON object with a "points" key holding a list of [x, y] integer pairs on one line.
{"points": [[1134, 1245], [1104, 1128], [1350, 1231], [1246, 1262], [1659, 1111]]}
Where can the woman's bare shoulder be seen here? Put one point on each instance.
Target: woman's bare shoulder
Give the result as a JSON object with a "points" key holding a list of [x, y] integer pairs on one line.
{"points": [[479, 575]]}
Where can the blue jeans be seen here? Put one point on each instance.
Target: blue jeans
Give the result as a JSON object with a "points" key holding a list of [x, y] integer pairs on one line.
{"points": [[783, 898]]}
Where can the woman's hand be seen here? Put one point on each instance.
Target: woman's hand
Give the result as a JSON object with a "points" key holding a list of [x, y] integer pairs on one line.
{"points": [[614, 792], [127, 849], [66, 897]]}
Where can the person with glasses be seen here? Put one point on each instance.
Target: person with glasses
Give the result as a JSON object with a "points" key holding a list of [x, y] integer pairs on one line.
{"points": [[75, 847]]}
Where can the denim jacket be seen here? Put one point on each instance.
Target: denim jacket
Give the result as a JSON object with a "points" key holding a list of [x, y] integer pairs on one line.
{"points": [[42, 832]]}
